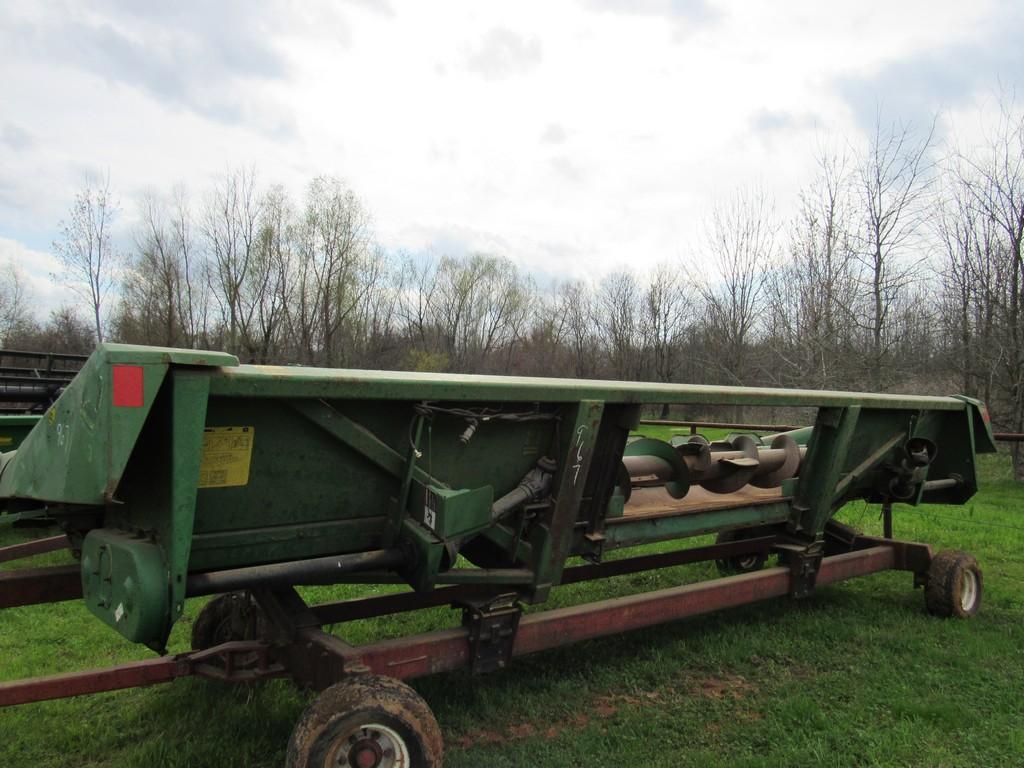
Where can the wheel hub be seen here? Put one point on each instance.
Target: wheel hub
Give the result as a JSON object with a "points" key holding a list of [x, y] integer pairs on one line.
{"points": [[365, 754], [968, 590], [373, 746]]}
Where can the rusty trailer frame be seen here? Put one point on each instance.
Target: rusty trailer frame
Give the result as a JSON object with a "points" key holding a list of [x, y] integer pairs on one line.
{"points": [[316, 659]]}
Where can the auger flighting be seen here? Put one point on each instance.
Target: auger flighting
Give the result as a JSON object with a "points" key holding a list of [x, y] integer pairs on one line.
{"points": [[721, 467]]}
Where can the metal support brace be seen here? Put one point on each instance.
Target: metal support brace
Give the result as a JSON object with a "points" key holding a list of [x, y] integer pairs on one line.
{"points": [[822, 468], [572, 479], [804, 564], [314, 658], [492, 629]]}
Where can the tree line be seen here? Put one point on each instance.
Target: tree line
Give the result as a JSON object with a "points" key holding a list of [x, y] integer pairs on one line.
{"points": [[900, 271]]}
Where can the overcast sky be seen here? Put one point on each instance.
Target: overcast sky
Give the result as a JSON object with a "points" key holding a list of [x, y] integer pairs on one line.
{"points": [[573, 137]]}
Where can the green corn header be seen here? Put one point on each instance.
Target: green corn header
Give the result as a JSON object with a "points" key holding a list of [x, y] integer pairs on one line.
{"points": [[179, 472], [176, 473]]}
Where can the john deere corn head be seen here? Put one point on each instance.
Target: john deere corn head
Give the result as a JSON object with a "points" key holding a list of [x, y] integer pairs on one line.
{"points": [[179, 473]]}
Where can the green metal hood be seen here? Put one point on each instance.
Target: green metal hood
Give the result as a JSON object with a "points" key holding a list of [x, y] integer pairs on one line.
{"points": [[78, 450]]}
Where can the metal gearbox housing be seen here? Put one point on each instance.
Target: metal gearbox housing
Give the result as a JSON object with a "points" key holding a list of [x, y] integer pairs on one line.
{"points": [[124, 583]]}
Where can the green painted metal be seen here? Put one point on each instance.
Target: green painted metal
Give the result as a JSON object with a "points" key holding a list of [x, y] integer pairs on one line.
{"points": [[124, 583], [209, 465], [284, 381], [77, 452], [14, 429], [626, 532]]}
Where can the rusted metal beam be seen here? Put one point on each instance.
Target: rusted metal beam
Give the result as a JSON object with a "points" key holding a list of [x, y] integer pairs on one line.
{"points": [[907, 555], [30, 586], [449, 649], [219, 663], [135, 674], [35, 547]]}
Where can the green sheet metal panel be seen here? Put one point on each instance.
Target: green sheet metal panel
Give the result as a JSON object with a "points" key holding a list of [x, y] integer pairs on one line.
{"points": [[14, 429], [297, 381], [77, 452]]}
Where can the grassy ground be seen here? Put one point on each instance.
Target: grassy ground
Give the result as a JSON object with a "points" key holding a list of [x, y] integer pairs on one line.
{"points": [[858, 675]]}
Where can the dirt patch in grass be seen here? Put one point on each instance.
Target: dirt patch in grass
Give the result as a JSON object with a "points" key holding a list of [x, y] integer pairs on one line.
{"points": [[721, 687], [605, 707]]}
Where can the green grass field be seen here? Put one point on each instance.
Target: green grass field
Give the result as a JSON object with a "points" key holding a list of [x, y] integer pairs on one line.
{"points": [[858, 675]]}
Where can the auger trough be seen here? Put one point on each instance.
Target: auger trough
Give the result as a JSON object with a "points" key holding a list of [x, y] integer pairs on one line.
{"points": [[178, 473]]}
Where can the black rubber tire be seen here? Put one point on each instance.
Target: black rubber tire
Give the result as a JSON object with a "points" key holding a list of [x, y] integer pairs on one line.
{"points": [[730, 566], [234, 616], [954, 585], [323, 730]]}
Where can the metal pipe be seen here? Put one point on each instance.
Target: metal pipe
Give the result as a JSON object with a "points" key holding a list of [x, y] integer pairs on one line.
{"points": [[321, 570], [486, 576], [35, 547]]}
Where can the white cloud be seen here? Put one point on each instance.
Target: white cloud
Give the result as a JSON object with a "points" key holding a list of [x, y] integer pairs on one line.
{"points": [[37, 269], [572, 137]]}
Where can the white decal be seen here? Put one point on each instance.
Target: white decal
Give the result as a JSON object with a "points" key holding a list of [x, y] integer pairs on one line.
{"points": [[119, 612], [430, 511], [579, 453]]}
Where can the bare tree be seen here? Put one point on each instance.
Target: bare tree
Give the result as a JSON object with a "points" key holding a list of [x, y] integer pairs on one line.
{"points": [[619, 307], [971, 278], [335, 271], [741, 244], [84, 248], [665, 308], [14, 300], [894, 184], [230, 224], [666, 305], [997, 189], [475, 309], [810, 295], [575, 303]]}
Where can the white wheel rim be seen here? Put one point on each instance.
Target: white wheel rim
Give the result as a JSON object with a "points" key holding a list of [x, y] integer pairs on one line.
{"points": [[747, 563], [380, 745], [968, 590]]}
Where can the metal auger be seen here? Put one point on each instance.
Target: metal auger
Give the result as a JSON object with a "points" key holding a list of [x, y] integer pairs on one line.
{"points": [[720, 467]]}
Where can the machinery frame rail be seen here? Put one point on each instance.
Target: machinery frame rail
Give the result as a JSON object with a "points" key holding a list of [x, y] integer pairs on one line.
{"points": [[318, 659]]}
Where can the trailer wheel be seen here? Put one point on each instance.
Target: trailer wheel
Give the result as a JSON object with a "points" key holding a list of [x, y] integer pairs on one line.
{"points": [[954, 585], [234, 616], [729, 566], [366, 721]]}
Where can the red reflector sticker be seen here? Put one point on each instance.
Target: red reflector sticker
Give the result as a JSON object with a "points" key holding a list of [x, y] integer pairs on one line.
{"points": [[128, 386]]}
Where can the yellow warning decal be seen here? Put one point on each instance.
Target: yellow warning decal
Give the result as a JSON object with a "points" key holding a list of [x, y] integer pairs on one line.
{"points": [[227, 452]]}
